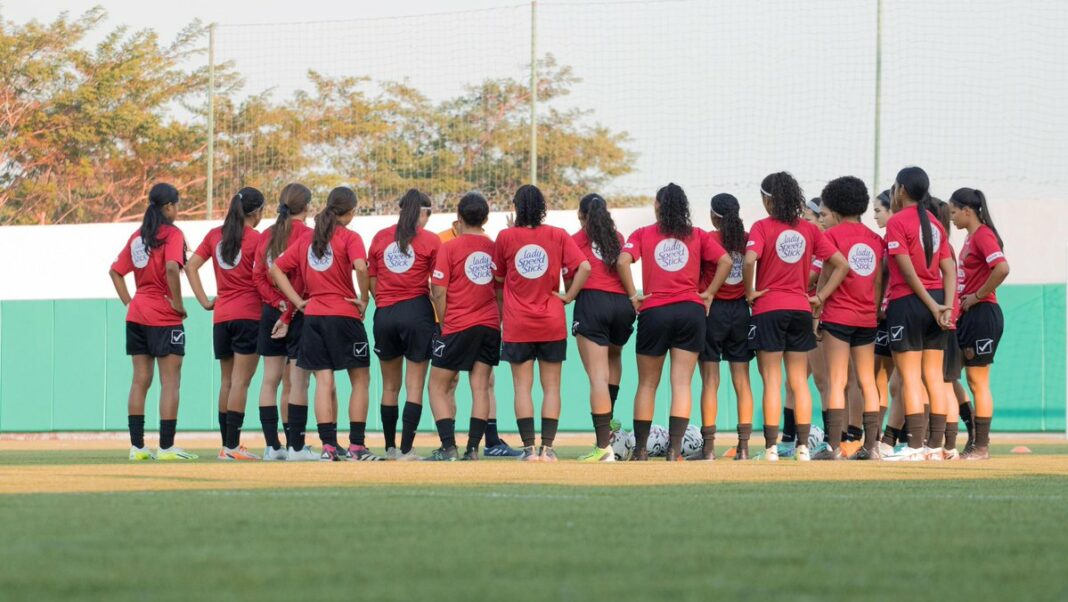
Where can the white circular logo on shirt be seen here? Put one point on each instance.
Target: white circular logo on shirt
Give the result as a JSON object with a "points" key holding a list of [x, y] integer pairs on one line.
{"points": [[138, 252], [790, 246], [222, 262], [396, 261], [862, 259], [479, 268], [936, 239], [736, 268], [531, 261], [671, 254], [321, 264], [596, 250]]}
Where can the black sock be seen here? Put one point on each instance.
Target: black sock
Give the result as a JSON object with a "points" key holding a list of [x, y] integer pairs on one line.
{"points": [[492, 437], [771, 434], [641, 434], [708, 435], [328, 433], [389, 424], [854, 433], [298, 422], [890, 435], [927, 415], [833, 420], [602, 429], [676, 431], [357, 433], [903, 433], [967, 417], [409, 425], [475, 431], [951, 435], [167, 429], [526, 431], [789, 426], [137, 430], [613, 393], [548, 430], [745, 430], [234, 421], [982, 432], [269, 423], [222, 427], [871, 429], [446, 432], [826, 429], [937, 433], [803, 431], [916, 425], [289, 438]]}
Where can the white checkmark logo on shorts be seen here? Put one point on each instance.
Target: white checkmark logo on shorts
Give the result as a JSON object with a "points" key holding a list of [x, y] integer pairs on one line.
{"points": [[439, 348], [897, 333], [984, 346], [359, 349], [177, 337], [881, 338], [752, 332]]}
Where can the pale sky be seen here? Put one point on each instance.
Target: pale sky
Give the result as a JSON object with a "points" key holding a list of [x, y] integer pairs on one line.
{"points": [[715, 94]]}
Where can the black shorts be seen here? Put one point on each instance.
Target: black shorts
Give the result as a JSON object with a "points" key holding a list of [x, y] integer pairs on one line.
{"points": [[548, 351], [882, 340], [333, 343], [156, 341], [782, 330], [979, 332], [912, 327], [856, 336], [677, 326], [288, 346], [951, 361], [405, 329], [235, 336], [459, 351], [727, 332], [604, 318]]}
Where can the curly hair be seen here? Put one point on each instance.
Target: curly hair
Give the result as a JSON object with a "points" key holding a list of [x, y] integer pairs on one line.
{"points": [[731, 228], [673, 215], [786, 199], [600, 228], [847, 196], [473, 209], [529, 206]]}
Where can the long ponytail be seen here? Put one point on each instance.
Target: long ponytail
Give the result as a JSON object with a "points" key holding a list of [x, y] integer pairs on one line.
{"points": [[159, 197], [293, 200], [600, 228], [411, 205], [732, 230], [917, 186], [976, 201], [340, 201], [247, 200]]}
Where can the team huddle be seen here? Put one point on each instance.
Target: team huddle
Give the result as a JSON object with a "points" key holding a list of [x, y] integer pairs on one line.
{"points": [[885, 325]]}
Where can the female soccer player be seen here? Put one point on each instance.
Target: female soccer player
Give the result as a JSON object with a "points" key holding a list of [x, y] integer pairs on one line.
{"points": [[603, 319], [155, 253], [399, 262], [884, 362], [781, 329], [235, 311], [333, 336], [280, 326], [727, 330], [981, 324], [529, 259], [922, 284], [464, 294], [848, 319], [951, 358], [672, 313]]}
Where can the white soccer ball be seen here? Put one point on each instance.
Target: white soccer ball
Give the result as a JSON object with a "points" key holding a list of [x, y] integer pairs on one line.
{"points": [[815, 437], [658, 441], [692, 442], [623, 444]]}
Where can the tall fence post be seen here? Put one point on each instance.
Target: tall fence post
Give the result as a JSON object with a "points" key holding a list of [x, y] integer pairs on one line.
{"points": [[876, 186], [210, 180], [534, 92]]}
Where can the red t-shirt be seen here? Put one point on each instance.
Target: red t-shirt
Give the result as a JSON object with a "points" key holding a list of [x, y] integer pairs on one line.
{"points": [[980, 253], [150, 305], [401, 276], [784, 255], [269, 293], [733, 287], [853, 302], [602, 277], [530, 261], [328, 279], [671, 271], [465, 268], [903, 237], [237, 297]]}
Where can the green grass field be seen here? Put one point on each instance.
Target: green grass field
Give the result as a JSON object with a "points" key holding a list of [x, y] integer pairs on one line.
{"points": [[799, 533]]}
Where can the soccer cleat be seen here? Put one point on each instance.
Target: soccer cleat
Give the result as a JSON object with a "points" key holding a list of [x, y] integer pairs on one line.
{"points": [[502, 450], [826, 452], [771, 454], [968, 448], [470, 455], [329, 454], [306, 454], [935, 455], [706, 455], [271, 454], [529, 455], [909, 454], [741, 453], [640, 455], [599, 454], [885, 449], [802, 455], [547, 454], [174, 454], [392, 453], [674, 455], [443, 454], [977, 453], [866, 454], [950, 454], [786, 449], [850, 448], [360, 453], [237, 455], [138, 454], [409, 456]]}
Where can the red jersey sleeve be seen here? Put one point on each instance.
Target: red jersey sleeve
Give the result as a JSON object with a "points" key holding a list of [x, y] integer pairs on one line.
{"points": [[204, 250], [124, 262], [442, 271], [896, 238], [711, 250], [986, 244], [756, 239], [174, 247], [824, 248], [633, 246], [373, 254], [354, 248], [572, 255], [500, 266], [290, 259]]}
